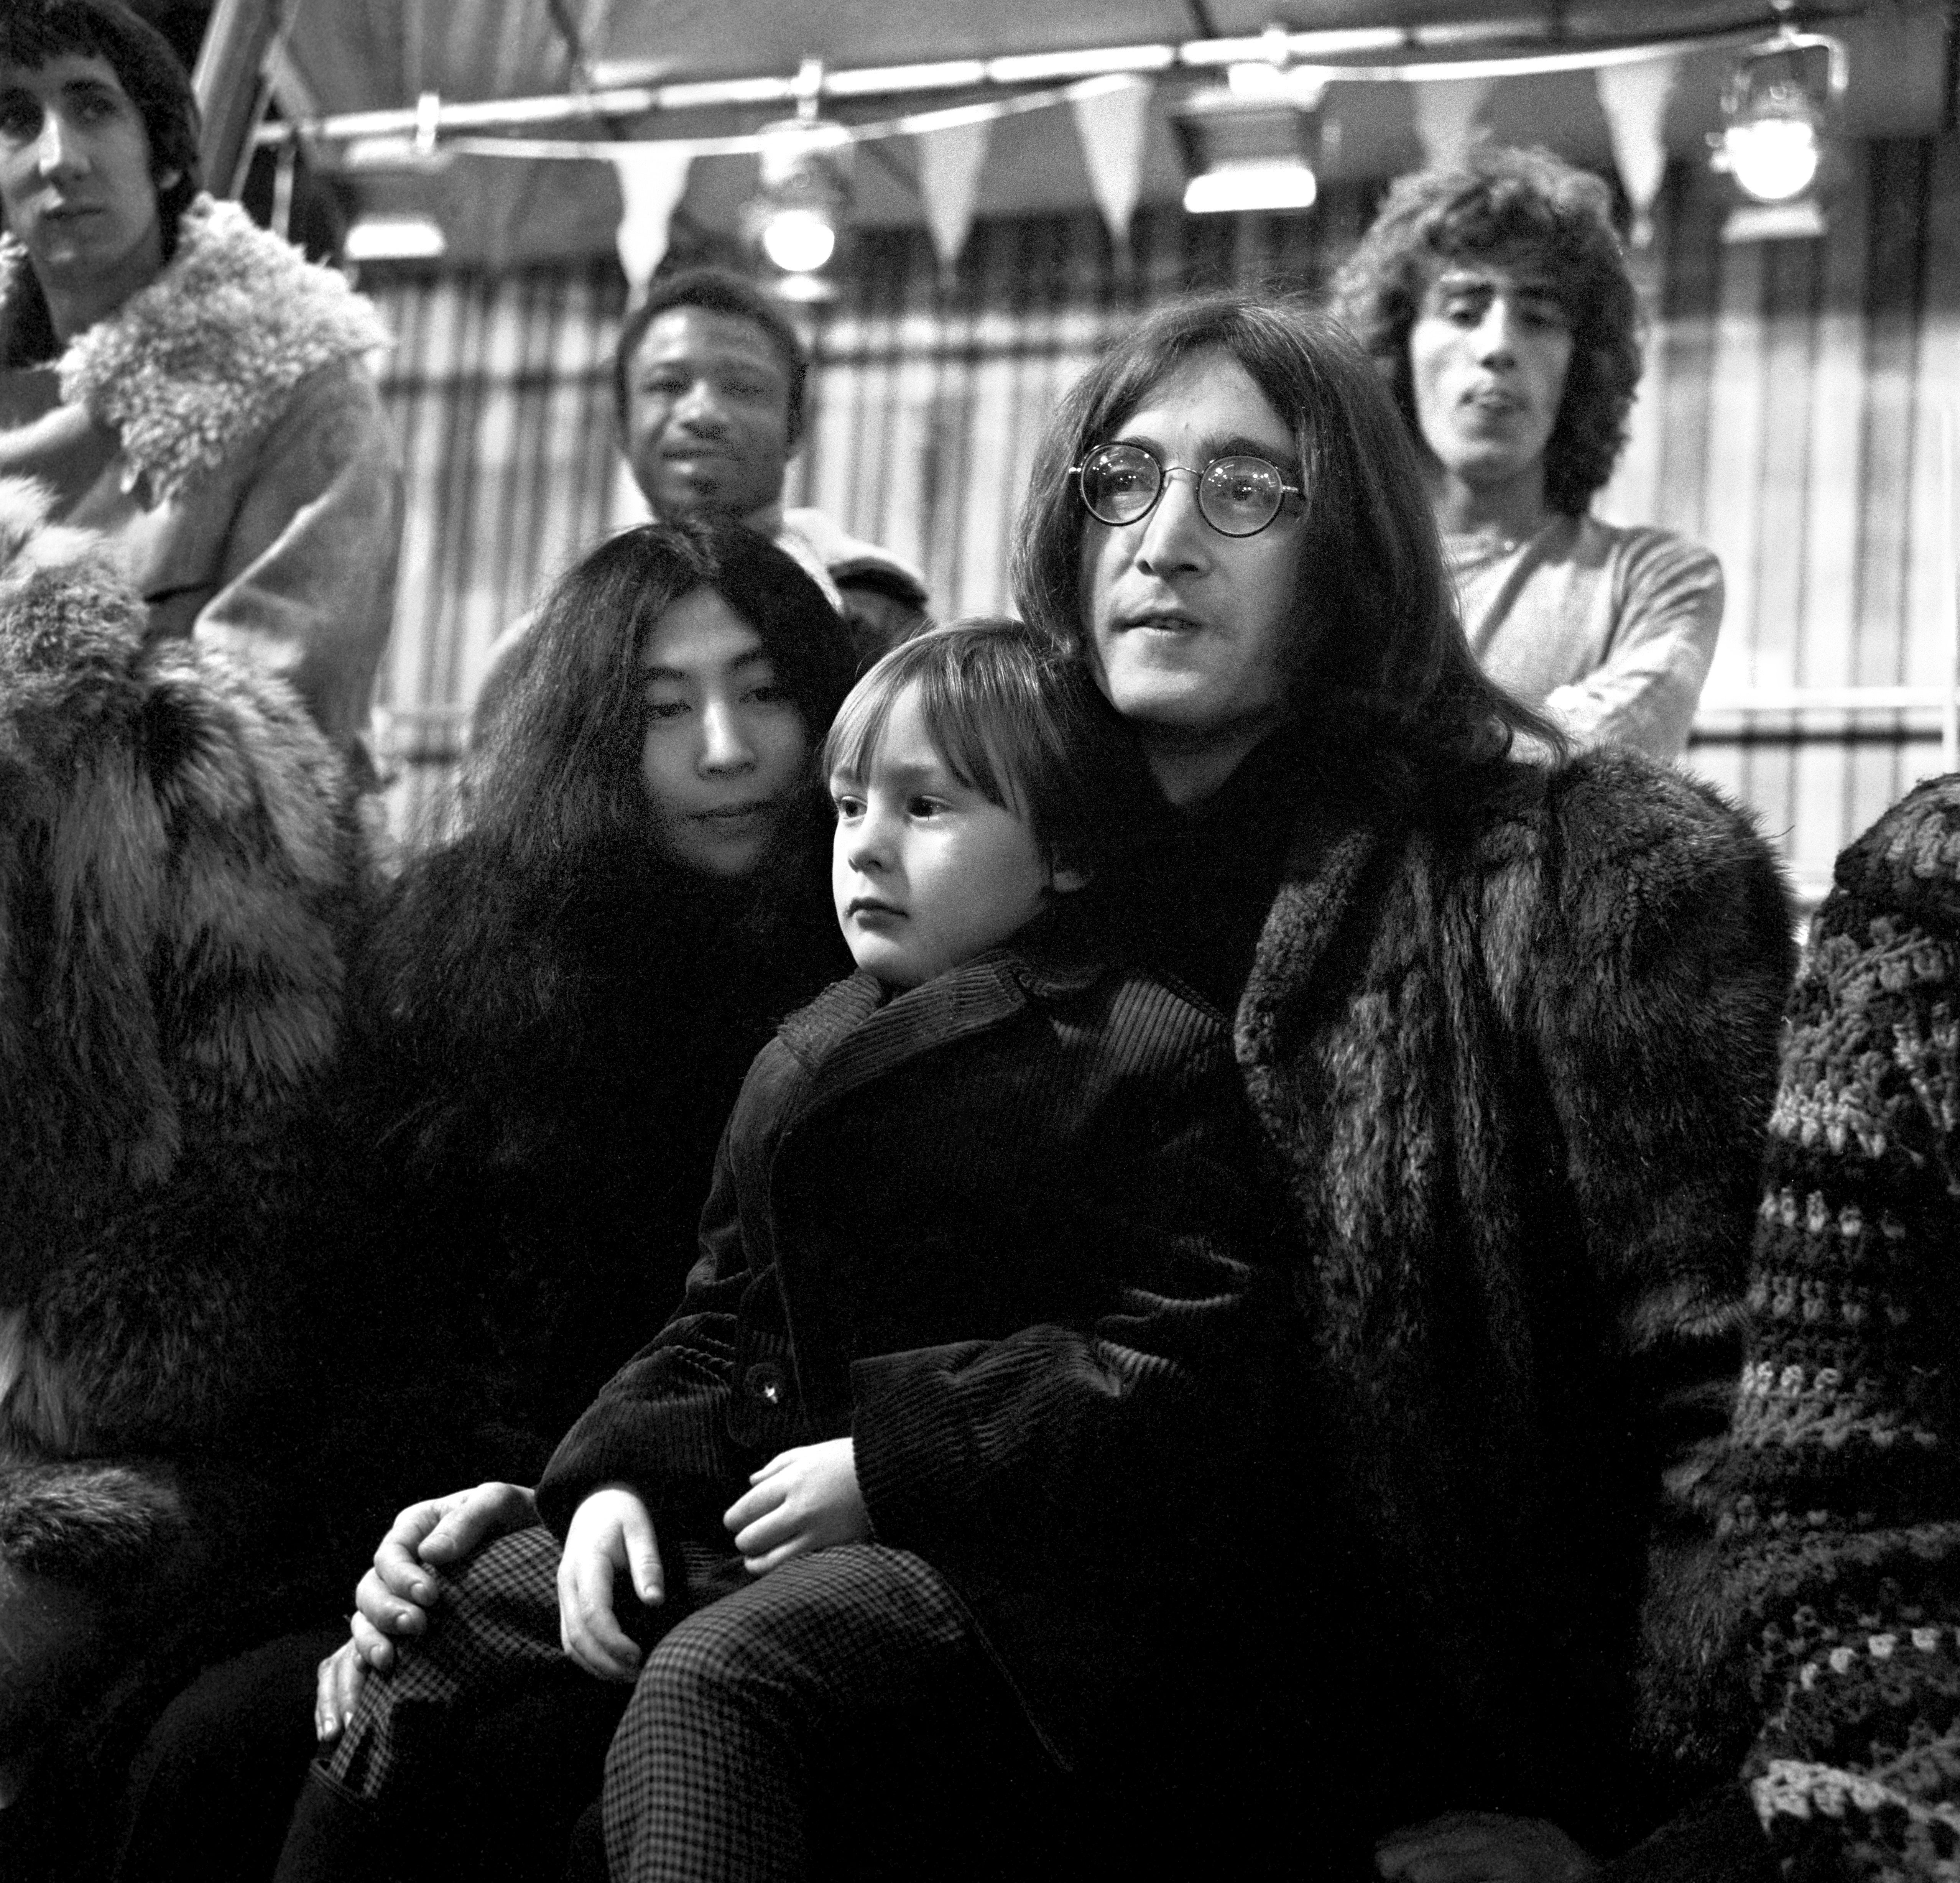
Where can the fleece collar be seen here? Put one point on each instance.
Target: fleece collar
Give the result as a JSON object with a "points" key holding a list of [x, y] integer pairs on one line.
{"points": [[192, 368]]}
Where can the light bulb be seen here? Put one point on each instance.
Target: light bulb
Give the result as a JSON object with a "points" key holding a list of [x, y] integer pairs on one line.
{"points": [[1772, 159], [799, 241]]}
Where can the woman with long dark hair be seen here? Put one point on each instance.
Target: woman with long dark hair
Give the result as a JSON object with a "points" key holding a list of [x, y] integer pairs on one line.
{"points": [[552, 1018], [559, 1004]]}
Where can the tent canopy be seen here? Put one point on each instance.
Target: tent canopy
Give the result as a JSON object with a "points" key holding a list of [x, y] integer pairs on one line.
{"points": [[346, 56]]}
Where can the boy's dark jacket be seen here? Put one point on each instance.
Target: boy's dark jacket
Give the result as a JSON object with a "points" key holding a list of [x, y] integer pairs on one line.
{"points": [[1008, 1231]]}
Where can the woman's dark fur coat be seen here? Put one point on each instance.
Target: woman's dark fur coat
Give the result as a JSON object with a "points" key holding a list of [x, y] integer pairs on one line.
{"points": [[1515, 1050], [548, 1060], [182, 870]]}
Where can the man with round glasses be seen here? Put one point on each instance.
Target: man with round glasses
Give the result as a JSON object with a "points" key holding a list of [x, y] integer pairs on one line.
{"points": [[1495, 299], [1238, 496], [1508, 1029]]}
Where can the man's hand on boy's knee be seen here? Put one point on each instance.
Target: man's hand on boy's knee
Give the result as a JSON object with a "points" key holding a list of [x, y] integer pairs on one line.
{"points": [[339, 1681], [612, 1530], [804, 1499], [392, 1597]]}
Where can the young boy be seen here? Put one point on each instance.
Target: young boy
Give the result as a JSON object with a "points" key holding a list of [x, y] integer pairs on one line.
{"points": [[973, 1339]]}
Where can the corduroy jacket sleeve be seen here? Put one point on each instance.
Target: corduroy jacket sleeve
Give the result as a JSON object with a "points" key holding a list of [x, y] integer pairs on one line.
{"points": [[661, 1424], [1653, 1002]]}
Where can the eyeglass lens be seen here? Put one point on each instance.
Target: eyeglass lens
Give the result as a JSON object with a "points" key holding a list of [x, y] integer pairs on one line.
{"points": [[1237, 496]]}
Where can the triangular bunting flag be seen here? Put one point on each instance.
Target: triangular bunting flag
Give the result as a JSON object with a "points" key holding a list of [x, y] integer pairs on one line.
{"points": [[1112, 124], [1446, 117], [653, 178], [1634, 98], [949, 175]]}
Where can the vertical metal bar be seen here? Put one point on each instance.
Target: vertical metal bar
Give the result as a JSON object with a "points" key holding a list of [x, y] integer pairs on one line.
{"points": [[286, 169], [1948, 540], [230, 87]]}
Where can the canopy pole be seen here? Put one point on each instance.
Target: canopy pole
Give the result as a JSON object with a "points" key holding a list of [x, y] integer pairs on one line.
{"points": [[231, 89]]}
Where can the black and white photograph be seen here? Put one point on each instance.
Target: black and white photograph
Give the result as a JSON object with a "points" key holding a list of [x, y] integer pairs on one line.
{"points": [[979, 941]]}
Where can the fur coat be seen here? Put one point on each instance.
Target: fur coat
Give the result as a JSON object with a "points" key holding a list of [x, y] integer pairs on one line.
{"points": [[1514, 1046], [182, 870], [546, 1054], [240, 462]]}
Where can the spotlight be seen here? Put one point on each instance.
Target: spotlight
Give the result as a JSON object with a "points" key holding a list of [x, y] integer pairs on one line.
{"points": [[375, 238], [806, 193], [1777, 111], [1251, 144]]}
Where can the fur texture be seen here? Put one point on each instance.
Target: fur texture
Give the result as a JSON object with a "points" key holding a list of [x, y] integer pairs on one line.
{"points": [[193, 367], [546, 1059], [181, 872], [86, 1523], [239, 464], [1515, 1051]]}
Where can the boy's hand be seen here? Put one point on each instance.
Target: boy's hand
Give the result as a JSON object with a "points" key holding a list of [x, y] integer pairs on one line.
{"points": [[804, 1499], [612, 1530]]}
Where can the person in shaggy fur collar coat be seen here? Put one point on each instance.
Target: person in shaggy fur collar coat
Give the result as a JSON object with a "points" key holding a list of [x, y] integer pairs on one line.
{"points": [[1509, 1029], [183, 381], [184, 872]]}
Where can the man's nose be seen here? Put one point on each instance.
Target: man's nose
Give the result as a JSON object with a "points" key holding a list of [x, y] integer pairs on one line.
{"points": [[1496, 335], [56, 150], [700, 407], [1176, 537]]}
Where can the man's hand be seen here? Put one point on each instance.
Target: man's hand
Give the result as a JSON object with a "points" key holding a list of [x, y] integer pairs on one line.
{"points": [[804, 1499], [341, 1676], [611, 1530], [394, 1597], [1482, 1846]]}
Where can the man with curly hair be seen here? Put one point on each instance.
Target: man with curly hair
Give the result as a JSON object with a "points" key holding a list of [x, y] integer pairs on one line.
{"points": [[1494, 298]]}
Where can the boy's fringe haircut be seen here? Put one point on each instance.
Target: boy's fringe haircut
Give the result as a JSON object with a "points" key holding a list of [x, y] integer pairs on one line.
{"points": [[1015, 720]]}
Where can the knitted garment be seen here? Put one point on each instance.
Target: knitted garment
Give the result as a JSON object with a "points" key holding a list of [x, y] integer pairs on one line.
{"points": [[1837, 1495]]}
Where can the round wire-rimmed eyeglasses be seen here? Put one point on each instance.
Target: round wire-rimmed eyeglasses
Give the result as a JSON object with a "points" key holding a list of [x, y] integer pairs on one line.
{"points": [[1238, 496]]}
